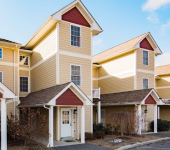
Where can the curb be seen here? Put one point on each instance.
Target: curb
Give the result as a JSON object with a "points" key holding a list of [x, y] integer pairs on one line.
{"points": [[142, 143]]}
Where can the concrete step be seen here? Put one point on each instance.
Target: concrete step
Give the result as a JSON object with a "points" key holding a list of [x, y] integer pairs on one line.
{"points": [[68, 139]]}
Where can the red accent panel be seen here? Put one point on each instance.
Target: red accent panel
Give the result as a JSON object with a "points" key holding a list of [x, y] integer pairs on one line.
{"points": [[1, 95], [150, 100], [68, 98], [145, 44], [76, 17]]}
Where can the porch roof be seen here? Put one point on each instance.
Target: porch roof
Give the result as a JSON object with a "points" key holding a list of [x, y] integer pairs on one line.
{"points": [[125, 98], [43, 96]]}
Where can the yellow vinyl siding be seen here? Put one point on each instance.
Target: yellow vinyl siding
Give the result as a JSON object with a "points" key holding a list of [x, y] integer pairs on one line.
{"points": [[115, 84], [164, 93], [7, 55], [95, 84], [163, 81], [95, 72], [65, 39], [141, 75], [150, 114], [44, 75], [44, 48], [117, 65], [139, 60], [23, 73], [66, 61]]}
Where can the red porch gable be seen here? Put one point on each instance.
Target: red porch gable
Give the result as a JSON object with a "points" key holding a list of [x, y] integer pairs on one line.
{"points": [[145, 44], [150, 100], [1, 95], [76, 17], [68, 98]]}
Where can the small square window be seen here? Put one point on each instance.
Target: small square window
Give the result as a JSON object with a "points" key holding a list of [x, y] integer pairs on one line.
{"points": [[24, 60]]}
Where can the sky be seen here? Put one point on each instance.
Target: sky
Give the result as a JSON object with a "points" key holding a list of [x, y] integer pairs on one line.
{"points": [[121, 20]]}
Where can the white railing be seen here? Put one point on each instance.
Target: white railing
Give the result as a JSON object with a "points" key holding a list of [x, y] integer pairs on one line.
{"points": [[96, 93]]}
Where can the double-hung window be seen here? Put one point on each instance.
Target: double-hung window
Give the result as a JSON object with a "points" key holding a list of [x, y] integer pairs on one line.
{"points": [[145, 57], [23, 84], [75, 36], [1, 77], [76, 74], [24, 60], [145, 83], [1, 53]]}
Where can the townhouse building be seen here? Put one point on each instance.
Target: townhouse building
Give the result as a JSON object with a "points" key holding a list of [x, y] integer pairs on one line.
{"points": [[125, 75], [53, 72]]}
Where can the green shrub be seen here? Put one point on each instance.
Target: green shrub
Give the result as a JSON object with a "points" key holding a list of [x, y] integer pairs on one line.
{"points": [[98, 127], [108, 128], [89, 136], [162, 125]]}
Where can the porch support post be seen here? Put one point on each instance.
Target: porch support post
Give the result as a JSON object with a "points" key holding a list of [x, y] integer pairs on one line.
{"points": [[78, 123], [82, 125], [158, 112], [3, 125], [99, 111], [139, 120], [155, 119], [51, 126]]}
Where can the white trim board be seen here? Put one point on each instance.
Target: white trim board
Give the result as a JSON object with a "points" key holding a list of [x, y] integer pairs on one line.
{"points": [[8, 63], [75, 54], [145, 71], [22, 68], [163, 87]]}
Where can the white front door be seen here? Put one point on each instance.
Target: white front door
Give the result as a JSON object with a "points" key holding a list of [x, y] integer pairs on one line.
{"points": [[66, 123]]}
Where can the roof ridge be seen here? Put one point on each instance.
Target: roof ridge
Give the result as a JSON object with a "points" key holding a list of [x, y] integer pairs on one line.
{"points": [[129, 91], [120, 44]]}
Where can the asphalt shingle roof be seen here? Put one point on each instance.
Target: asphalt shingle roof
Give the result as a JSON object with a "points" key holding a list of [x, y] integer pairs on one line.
{"points": [[43, 96]]}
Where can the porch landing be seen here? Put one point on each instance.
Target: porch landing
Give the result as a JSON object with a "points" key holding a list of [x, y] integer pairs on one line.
{"points": [[45, 141]]}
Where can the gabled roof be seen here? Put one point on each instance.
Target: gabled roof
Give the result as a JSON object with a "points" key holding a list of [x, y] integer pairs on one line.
{"points": [[49, 95], [7, 93], [57, 17], [124, 47], [128, 97], [162, 70]]}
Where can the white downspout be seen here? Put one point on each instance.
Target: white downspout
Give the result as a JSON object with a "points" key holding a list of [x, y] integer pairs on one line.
{"points": [[14, 76], [48, 109]]}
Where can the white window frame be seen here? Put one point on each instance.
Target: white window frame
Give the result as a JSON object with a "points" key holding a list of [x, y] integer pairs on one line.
{"points": [[143, 57], [71, 24], [148, 82], [80, 73], [2, 52], [2, 76], [28, 60], [28, 84]]}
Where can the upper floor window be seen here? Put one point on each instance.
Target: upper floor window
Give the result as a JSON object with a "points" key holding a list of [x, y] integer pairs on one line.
{"points": [[145, 57], [23, 84], [145, 83], [75, 36], [76, 74], [1, 53], [1, 77], [24, 60]]}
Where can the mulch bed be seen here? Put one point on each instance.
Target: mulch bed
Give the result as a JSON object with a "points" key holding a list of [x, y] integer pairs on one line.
{"points": [[108, 141]]}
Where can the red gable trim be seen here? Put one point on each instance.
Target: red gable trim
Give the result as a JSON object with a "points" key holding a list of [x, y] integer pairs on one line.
{"points": [[145, 44], [1, 95], [68, 98], [150, 100], [76, 17]]}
